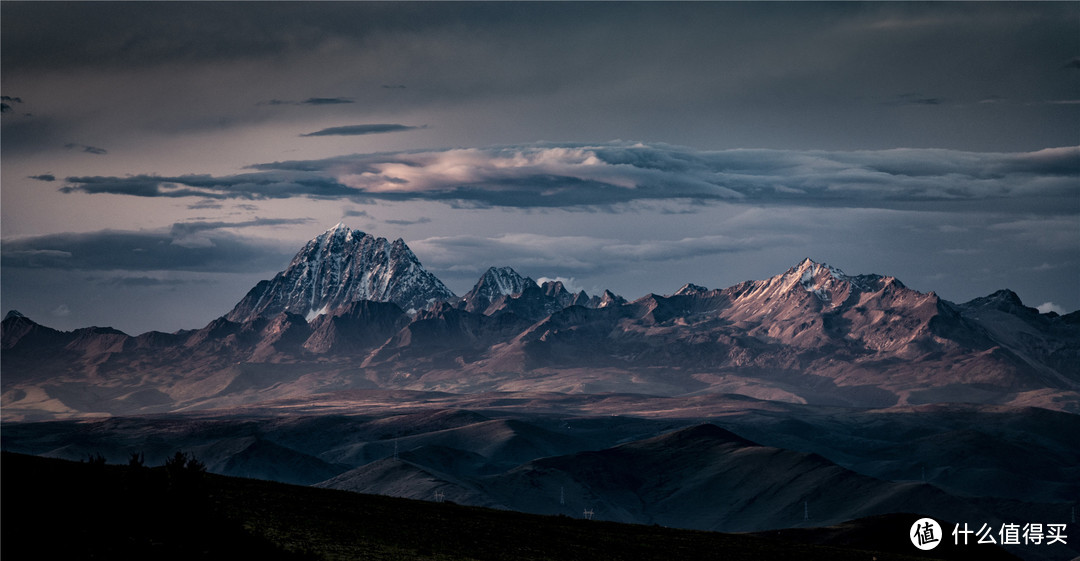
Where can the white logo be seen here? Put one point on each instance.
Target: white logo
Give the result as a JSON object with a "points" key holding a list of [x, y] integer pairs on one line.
{"points": [[925, 534]]}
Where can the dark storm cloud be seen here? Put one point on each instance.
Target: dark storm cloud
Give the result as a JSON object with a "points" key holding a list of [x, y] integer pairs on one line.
{"points": [[116, 250], [86, 148], [5, 108], [44, 177], [356, 130], [11, 99]]}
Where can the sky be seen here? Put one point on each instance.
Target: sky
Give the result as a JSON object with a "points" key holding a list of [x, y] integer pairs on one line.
{"points": [[159, 159]]}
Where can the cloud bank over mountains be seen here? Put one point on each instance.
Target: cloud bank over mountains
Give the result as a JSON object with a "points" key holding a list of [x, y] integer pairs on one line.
{"points": [[604, 175]]}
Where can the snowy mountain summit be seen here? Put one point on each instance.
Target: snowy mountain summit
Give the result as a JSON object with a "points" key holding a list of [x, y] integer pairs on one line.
{"points": [[341, 266], [495, 282]]}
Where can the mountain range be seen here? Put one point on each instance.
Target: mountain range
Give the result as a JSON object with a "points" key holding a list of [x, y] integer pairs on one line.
{"points": [[352, 311]]}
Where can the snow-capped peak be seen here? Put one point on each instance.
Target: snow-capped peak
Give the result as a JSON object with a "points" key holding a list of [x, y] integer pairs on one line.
{"points": [[816, 278], [495, 282], [691, 288], [505, 280], [341, 266]]}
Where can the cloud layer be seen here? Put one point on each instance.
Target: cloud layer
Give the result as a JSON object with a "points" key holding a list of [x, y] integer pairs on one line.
{"points": [[581, 255], [603, 175], [188, 246]]}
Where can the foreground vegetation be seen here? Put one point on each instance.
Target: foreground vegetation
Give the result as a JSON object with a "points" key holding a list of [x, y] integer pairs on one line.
{"points": [[89, 510]]}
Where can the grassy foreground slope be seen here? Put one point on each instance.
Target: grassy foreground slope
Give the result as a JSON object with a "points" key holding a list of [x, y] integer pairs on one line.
{"points": [[71, 510]]}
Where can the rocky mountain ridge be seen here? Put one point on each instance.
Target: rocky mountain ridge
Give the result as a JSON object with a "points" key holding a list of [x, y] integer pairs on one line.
{"points": [[337, 319]]}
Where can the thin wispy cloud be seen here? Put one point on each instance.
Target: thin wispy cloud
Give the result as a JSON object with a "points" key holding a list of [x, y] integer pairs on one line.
{"points": [[310, 101], [144, 281], [916, 99], [402, 222], [358, 130], [193, 227], [86, 148]]}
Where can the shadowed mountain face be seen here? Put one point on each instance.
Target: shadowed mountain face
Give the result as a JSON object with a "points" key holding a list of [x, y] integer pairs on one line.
{"points": [[355, 312]]}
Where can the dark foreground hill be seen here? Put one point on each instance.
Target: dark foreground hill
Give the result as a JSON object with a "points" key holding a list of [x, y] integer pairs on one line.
{"points": [[89, 510]]}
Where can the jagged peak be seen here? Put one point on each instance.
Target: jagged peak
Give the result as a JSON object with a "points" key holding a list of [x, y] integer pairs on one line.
{"points": [[340, 230], [609, 298], [496, 275], [1001, 299], [341, 265], [553, 287], [808, 265], [500, 281], [14, 314], [1006, 295], [690, 288], [500, 271]]}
